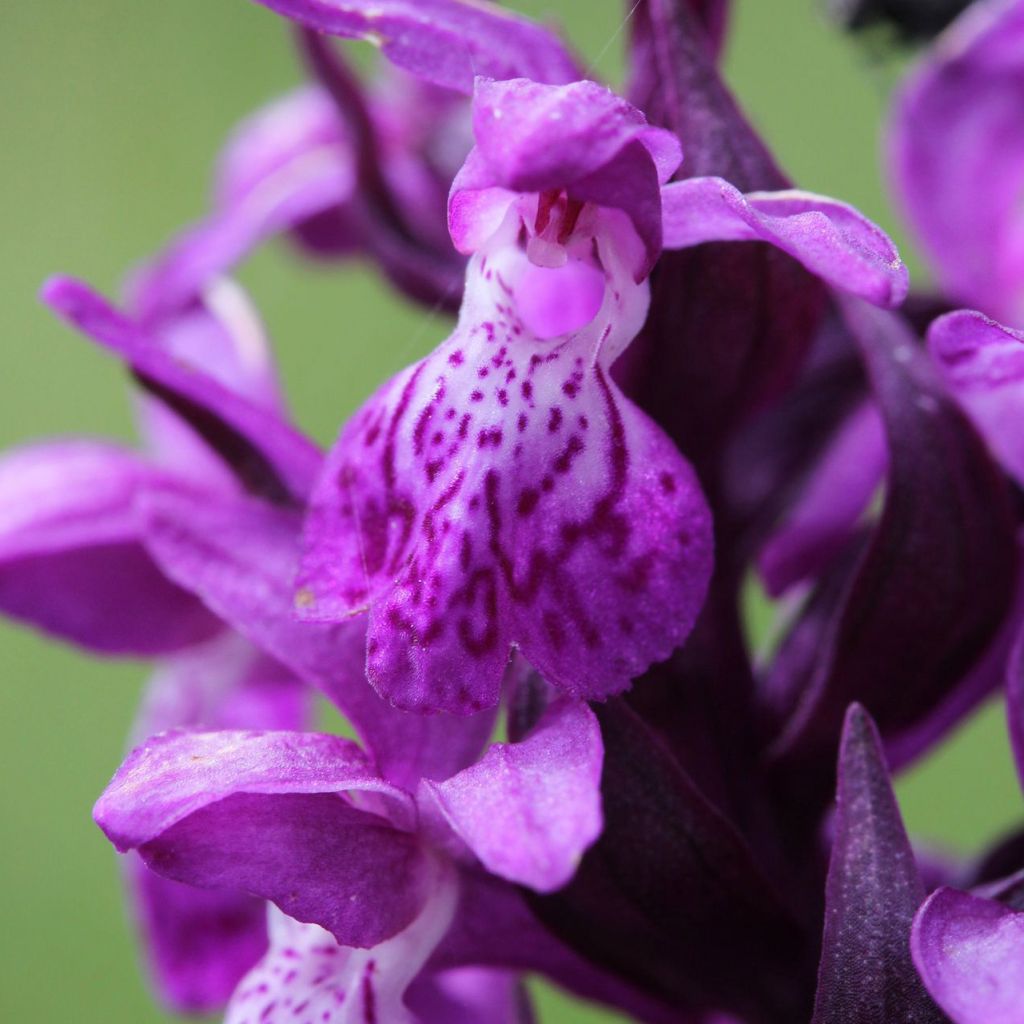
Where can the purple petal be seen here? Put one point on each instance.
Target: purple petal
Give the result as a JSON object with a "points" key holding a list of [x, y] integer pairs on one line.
{"points": [[956, 158], [284, 165], [501, 492], [267, 454], [444, 42], [831, 239], [264, 813], [241, 559], [970, 955], [982, 363], [873, 891], [580, 138], [199, 942], [529, 810], [307, 976], [71, 562], [837, 491], [912, 614], [469, 995]]}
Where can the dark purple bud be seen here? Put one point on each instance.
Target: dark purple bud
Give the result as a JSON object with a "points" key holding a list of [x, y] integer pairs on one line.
{"points": [[866, 974]]}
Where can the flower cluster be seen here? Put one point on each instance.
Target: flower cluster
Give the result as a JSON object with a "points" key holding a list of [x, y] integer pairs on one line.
{"points": [[669, 369]]}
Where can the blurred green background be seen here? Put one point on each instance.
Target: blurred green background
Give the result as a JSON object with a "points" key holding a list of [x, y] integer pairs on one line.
{"points": [[112, 112]]}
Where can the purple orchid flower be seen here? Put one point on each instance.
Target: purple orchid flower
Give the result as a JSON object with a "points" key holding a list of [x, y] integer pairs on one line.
{"points": [[485, 496], [331, 842]]}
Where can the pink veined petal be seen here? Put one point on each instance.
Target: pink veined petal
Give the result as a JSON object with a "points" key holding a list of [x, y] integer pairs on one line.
{"points": [[241, 559], [283, 166], [982, 363], [828, 237], [529, 810], [837, 492], [278, 815], [956, 157], [503, 491], [969, 952], [308, 976], [71, 561], [446, 42]]}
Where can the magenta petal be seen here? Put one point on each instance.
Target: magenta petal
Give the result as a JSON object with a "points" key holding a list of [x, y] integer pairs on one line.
{"points": [[71, 562], [828, 237], [580, 138], [264, 813], [470, 995], [970, 954], [503, 491], [529, 810], [534, 137], [284, 165], [241, 559], [445, 42], [268, 455], [956, 157], [982, 363], [833, 497], [199, 942]]}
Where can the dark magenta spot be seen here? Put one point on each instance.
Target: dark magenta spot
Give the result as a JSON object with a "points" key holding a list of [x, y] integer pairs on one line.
{"points": [[502, 397], [554, 419], [584, 422], [668, 483], [456, 358], [521, 422], [476, 396], [563, 463], [547, 485], [483, 371], [528, 499], [527, 389]]}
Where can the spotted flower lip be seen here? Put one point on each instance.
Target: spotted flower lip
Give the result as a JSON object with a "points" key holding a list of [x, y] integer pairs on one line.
{"points": [[503, 492]]}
